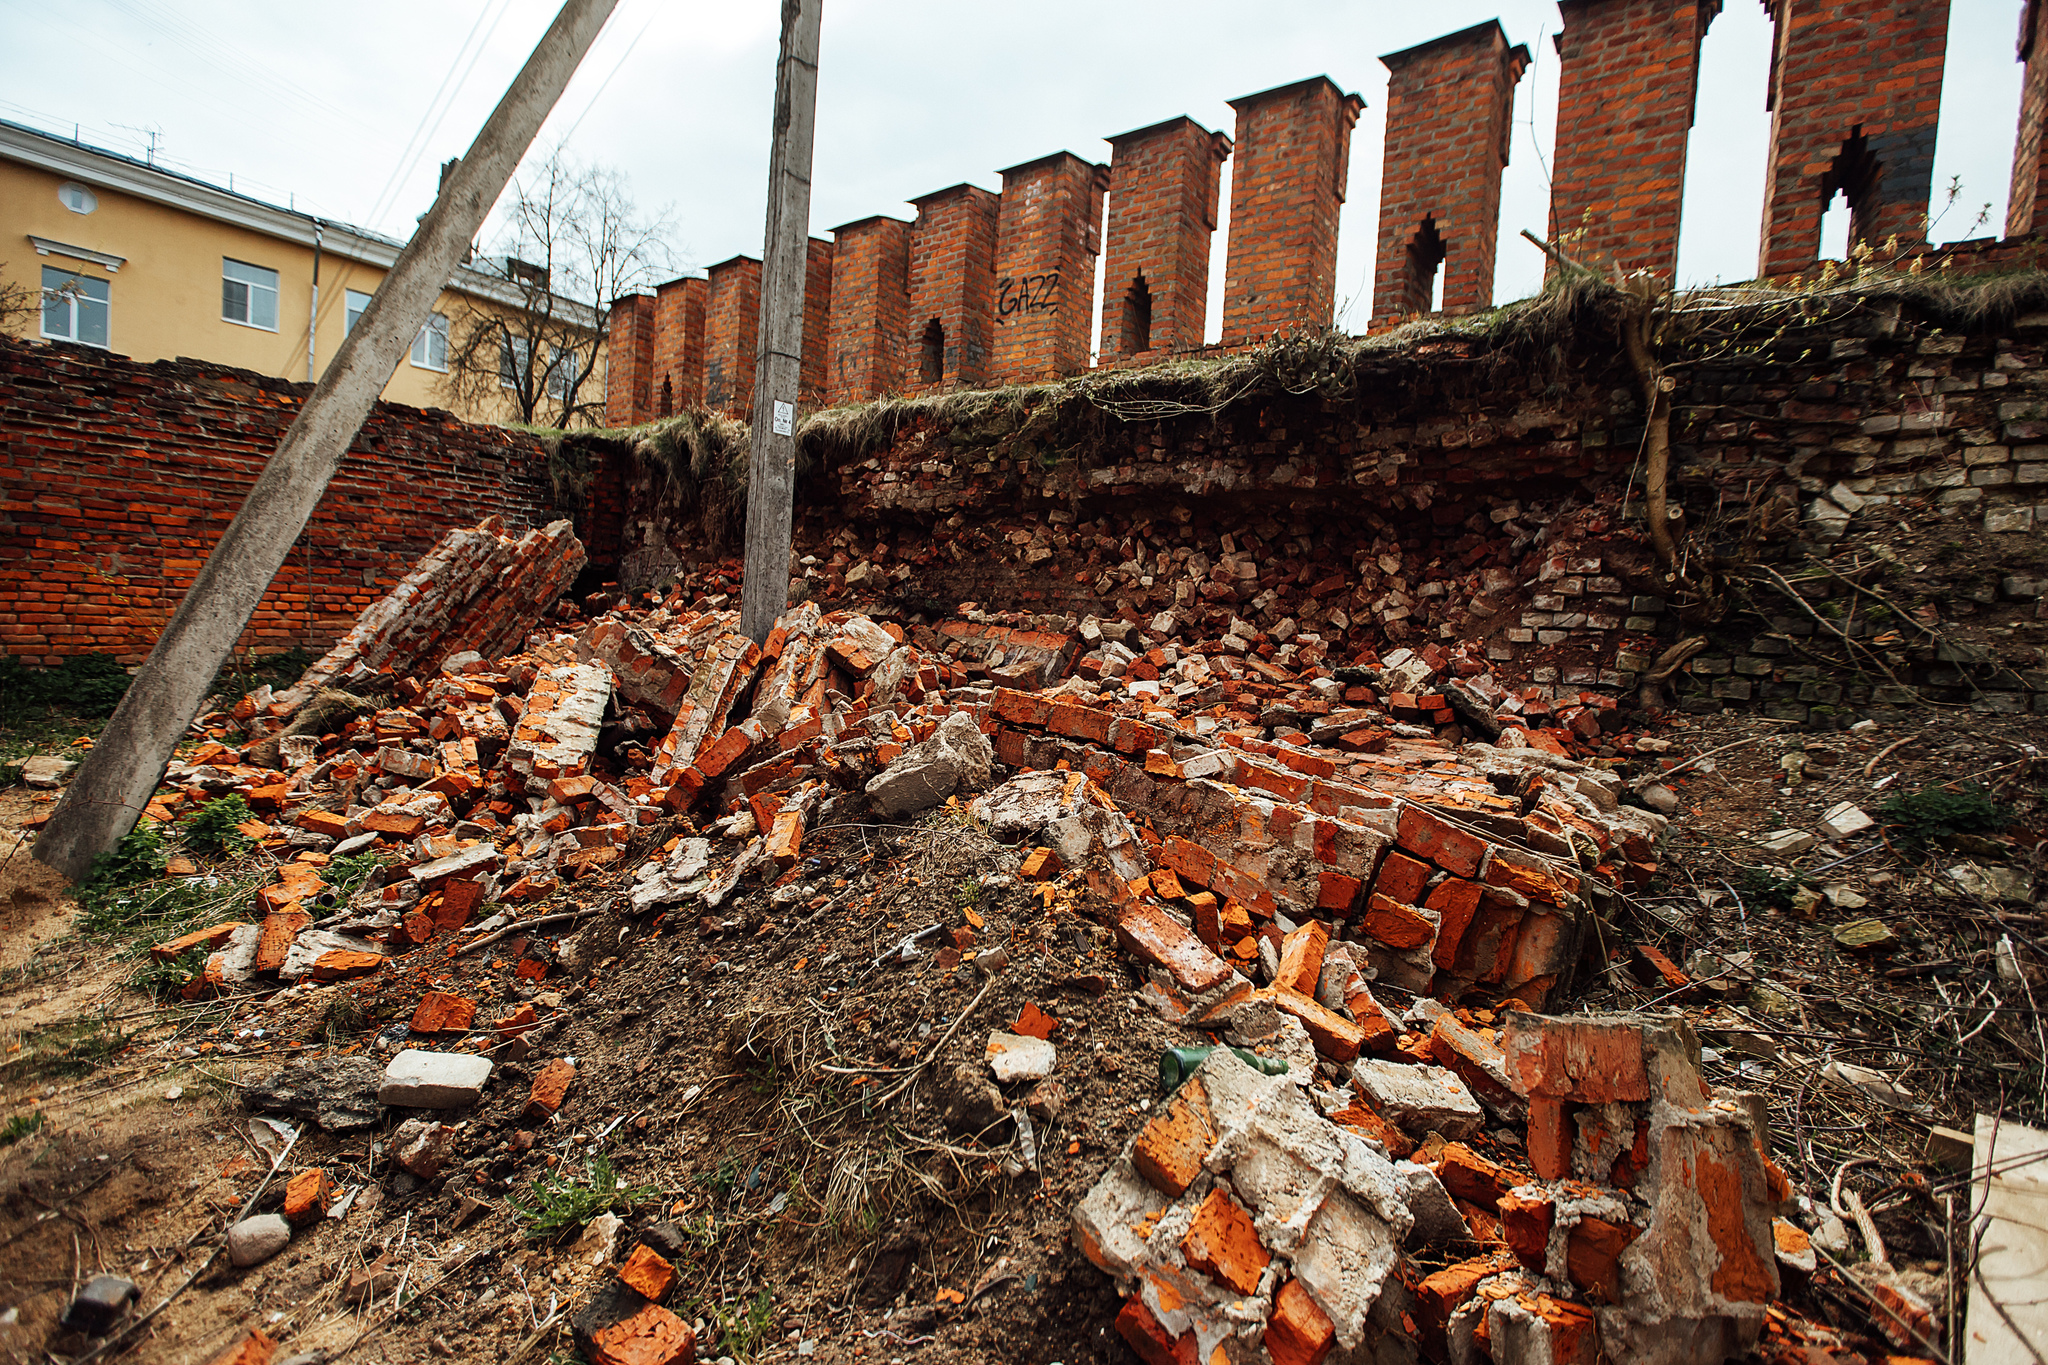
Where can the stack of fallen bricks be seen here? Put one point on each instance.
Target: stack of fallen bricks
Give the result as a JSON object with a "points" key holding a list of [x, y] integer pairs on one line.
{"points": [[1260, 1212]]}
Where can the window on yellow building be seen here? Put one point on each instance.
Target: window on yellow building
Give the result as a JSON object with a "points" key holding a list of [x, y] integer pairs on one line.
{"points": [[514, 361], [430, 347], [357, 301], [248, 294], [75, 307], [564, 369]]}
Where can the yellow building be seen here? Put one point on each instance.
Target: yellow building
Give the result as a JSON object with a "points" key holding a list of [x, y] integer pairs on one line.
{"points": [[155, 265]]}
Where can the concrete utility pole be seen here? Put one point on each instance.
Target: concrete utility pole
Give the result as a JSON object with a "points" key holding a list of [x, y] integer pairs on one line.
{"points": [[122, 770], [764, 590]]}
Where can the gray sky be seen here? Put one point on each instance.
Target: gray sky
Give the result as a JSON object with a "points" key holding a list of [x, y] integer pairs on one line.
{"points": [[348, 110]]}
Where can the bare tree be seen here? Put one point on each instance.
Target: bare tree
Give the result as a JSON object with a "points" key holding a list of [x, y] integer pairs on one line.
{"points": [[18, 304], [572, 243]]}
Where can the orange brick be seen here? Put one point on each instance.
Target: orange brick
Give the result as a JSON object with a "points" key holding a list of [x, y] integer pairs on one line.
{"points": [[440, 1012], [275, 944], [1401, 879], [1525, 1220], [343, 966], [1429, 836], [305, 1197], [1301, 957], [1456, 902], [1149, 1340], [1550, 1139], [550, 1088], [210, 937], [1396, 925], [1222, 1243], [1471, 1177], [253, 1349], [647, 1273], [650, 1336], [1171, 1148], [1592, 1252], [1335, 1037], [571, 791], [1032, 1022], [786, 838], [1041, 864], [1337, 893], [1298, 1332]]}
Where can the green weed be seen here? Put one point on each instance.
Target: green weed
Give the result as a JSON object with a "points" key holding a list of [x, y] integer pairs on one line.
{"points": [[746, 1329], [68, 1050], [558, 1203], [1935, 814], [212, 831], [1762, 886], [20, 1126]]}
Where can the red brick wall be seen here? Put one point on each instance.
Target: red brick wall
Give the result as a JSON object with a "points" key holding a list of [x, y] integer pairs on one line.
{"points": [[117, 477], [2023, 212], [1048, 234], [953, 283], [870, 293], [817, 339], [1286, 190], [679, 320], [629, 360], [1624, 107], [1855, 95], [1162, 213], [732, 329], [1450, 106]]}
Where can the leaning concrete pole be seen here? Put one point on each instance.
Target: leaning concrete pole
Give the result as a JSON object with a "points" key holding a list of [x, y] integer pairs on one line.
{"points": [[108, 796], [771, 474]]}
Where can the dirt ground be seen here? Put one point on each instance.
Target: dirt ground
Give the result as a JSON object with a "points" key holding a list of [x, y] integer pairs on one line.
{"points": [[734, 1072]]}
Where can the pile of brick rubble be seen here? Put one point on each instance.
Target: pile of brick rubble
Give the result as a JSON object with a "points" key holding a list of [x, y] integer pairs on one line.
{"points": [[1273, 845]]}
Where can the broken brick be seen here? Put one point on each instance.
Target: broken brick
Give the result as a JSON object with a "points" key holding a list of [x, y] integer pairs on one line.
{"points": [[1450, 848], [649, 1336], [1298, 1331], [1526, 1220], [1148, 931], [550, 1088], [1222, 1243], [1150, 1341], [439, 1012], [306, 1195], [1471, 1177], [1170, 1149], [648, 1273]]}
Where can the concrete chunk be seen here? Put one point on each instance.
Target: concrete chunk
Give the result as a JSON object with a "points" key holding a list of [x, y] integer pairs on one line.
{"points": [[1418, 1099], [434, 1080]]}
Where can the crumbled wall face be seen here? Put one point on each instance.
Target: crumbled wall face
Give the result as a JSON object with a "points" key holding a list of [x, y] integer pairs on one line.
{"points": [[629, 361], [1163, 187], [1855, 94], [1293, 153], [1450, 106], [1048, 234], [816, 345], [870, 291], [677, 381], [116, 479], [2024, 212], [952, 289], [732, 329], [1624, 108]]}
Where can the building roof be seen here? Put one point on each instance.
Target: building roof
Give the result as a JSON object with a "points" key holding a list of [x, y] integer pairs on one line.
{"points": [[140, 180]]}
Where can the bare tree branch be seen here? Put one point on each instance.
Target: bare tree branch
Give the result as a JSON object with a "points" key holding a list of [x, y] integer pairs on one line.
{"points": [[572, 244]]}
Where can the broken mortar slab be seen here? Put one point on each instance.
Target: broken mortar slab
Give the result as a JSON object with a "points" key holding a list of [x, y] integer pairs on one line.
{"points": [[416, 1079]]}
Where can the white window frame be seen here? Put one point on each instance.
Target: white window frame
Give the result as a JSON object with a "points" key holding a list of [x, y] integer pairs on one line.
{"points": [[515, 354], [71, 299], [559, 384], [433, 338], [353, 302], [249, 288]]}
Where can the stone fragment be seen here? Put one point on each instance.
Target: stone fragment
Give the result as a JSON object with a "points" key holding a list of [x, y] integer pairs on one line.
{"points": [[416, 1079], [1015, 1057], [957, 756], [1787, 842], [99, 1304], [1865, 935], [255, 1240], [338, 1093], [46, 771], [423, 1146], [1843, 819]]}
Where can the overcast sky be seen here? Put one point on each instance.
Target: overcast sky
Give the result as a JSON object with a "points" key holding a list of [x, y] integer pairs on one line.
{"points": [[347, 111]]}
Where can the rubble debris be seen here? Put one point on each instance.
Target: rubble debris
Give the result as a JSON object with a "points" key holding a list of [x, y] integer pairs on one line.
{"points": [[2006, 1188]]}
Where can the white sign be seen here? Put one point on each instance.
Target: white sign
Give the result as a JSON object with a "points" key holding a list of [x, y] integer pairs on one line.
{"points": [[785, 417]]}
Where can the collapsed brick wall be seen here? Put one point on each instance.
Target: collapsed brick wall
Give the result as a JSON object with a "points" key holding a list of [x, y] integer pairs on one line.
{"points": [[117, 477], [1444, 492]]}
